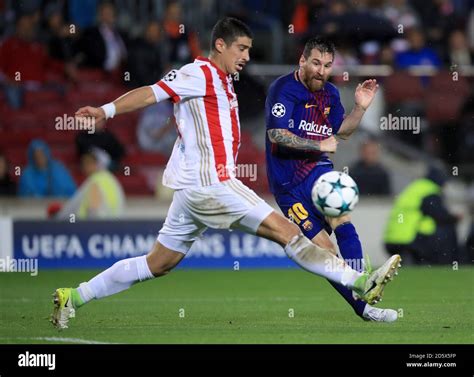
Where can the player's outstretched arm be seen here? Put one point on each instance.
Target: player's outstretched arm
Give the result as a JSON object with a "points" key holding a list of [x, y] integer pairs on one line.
{"points": [[364, 95], [133, 100], [288, 139]]}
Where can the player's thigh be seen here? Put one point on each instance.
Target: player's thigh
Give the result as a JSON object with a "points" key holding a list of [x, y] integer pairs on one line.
{"points": [[176, 237], [301, 211], [228, 205], [162, 260], [277, 228]]}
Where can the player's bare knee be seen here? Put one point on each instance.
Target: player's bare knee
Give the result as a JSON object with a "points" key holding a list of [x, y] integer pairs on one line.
{"points": [[159, 267], [162, 260]]}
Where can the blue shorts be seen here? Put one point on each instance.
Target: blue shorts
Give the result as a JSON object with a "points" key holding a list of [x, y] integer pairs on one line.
{"points": [[296, 204]]}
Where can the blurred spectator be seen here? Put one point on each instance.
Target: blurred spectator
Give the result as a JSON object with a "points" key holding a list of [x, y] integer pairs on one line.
{"points": [[345, 56], [156, 131], [371, 176], [7, 185], [418, 53], [44, 176], [103, 46], [420, 227], [459, 52], [400, 12], [58, 37], [387, 55], [352, 21], [24, 62], [100, 196], [184, 43], [436, 17], [82, 13], [146, 62], [102, 139]]}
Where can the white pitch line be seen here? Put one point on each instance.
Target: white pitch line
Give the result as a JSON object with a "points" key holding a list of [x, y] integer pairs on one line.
{"points": [[60, 339]]}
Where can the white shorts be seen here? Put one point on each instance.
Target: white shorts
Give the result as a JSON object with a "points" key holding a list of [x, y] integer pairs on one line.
{"points": [[225, 205]]}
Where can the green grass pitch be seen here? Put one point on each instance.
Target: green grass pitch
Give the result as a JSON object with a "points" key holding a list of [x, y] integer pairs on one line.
{"points": [[252, 306]]}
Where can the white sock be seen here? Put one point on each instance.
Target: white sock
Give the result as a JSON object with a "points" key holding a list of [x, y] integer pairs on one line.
{"points": [[116, 279], [320, 261]]}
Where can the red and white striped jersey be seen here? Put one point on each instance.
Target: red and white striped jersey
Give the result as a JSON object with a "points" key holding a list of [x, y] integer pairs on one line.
{"points": [[206, 112]]}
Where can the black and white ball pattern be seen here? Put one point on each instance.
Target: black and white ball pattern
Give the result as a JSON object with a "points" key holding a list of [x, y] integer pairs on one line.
{"points": [[170, 76], [278, 110], [335, 194]]}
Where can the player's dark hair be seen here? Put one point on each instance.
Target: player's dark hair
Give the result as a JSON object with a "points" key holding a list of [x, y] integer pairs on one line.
{"points": [[229, 29], [321, 44]]}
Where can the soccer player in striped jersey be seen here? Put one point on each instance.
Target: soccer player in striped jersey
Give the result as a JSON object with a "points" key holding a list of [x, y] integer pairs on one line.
{"points": [[303, 115], [201, 171]]}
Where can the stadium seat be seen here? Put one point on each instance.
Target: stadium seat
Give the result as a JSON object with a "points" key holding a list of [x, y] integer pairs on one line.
{"points": [[64, 139], [134, 184], [19, 139], [41, 97], [66, 155], [17, 156], [140, 158], [86, 75], [442, 107], [21, 120], [443, 82], [401, 87]]}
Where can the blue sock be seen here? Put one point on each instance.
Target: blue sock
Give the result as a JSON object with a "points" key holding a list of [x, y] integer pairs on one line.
{"points": [[351, 250]]}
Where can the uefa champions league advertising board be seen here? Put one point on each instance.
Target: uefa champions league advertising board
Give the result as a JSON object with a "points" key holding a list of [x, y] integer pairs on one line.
{"points": [[98, 244]]}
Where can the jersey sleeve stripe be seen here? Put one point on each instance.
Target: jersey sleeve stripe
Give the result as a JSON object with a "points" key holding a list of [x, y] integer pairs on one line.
{"points": [[174, 97]]}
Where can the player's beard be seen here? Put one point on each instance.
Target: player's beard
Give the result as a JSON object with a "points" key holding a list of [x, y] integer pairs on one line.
{"points": [[311, 81], [314, 84]]}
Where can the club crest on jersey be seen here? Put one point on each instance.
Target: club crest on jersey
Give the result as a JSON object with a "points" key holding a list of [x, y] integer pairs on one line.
{"points": [[327, 110], [307, 225], [312, 128], [278, 110], [171, 75]]}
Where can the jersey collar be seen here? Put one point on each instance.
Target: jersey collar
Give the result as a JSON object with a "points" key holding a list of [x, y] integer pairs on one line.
{"points": [[221, 73]]}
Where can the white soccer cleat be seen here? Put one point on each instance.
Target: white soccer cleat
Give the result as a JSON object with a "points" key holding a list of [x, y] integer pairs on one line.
{"points": [[373, 314]]}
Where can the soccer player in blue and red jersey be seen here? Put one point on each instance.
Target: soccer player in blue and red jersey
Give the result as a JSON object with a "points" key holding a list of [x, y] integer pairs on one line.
{"points": [[303, 116]]}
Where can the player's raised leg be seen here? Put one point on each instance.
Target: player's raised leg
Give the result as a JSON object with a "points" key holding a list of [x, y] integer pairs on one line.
{"points": [[324, 263]]}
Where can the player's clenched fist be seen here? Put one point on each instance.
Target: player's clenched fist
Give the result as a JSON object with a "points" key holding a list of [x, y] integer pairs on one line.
{"points": [[329, 144], [88, 114]]}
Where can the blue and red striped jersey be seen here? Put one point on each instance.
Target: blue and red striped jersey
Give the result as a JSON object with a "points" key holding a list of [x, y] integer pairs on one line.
{"points": [[310, 115]]}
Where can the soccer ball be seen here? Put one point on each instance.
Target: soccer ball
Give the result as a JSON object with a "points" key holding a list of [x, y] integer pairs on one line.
{"points": [[335, 194]]}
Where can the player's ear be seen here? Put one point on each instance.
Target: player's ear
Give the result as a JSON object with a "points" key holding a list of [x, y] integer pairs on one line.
{"points": [[302, 60], [220, 45]]}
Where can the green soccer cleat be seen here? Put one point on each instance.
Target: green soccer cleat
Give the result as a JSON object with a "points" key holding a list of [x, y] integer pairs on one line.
{"points": [[63, 308], [369, 287]]}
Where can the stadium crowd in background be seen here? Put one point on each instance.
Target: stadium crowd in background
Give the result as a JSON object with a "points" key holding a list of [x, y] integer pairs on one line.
{"points": [[73, 52], [76, 52]]}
